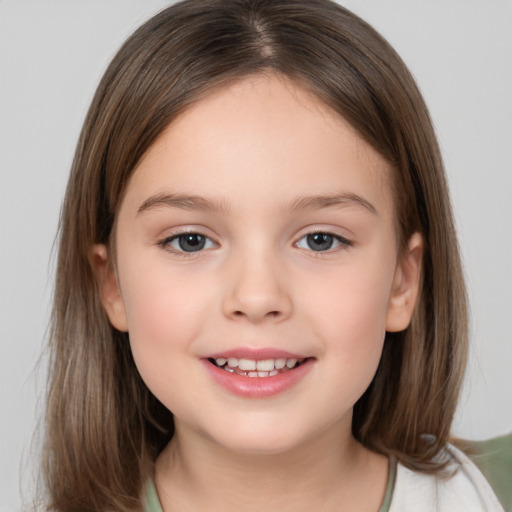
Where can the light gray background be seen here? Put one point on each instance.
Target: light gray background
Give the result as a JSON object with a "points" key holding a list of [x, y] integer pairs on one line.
{"points": [[52, 53]]}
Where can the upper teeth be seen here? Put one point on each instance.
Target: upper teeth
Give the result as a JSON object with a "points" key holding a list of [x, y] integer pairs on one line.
{"points": [[263, 365]]}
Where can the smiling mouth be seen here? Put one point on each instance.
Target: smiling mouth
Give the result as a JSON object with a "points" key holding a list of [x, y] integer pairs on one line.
{"points": [[256, 368]]}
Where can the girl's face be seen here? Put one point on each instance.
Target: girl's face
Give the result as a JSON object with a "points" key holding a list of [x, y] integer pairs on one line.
{"points": [[257, 267]]}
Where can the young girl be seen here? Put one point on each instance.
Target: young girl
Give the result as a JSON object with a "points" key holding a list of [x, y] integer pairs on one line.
{"points": [[259, 300]]}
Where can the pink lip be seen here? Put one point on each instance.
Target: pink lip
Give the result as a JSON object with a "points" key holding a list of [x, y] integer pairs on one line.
{"points": [[258, 387], [257, 354]]}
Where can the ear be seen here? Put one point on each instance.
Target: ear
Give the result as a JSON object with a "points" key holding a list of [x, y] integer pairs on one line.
{"points": [[405, 289], [109, 288]]}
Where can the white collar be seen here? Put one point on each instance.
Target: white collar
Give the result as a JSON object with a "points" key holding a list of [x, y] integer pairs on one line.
{"points": [[466, 490]]}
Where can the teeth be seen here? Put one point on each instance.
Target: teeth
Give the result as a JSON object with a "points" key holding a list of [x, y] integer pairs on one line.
{"points": [[265, 366], [247, 364]]}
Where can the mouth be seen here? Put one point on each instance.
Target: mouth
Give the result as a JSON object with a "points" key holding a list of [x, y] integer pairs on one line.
{"points": [[262, 368], [257, 373]]}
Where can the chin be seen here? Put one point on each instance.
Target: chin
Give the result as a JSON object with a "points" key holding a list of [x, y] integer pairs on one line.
{"points": [[259, 439], [263, 447]]}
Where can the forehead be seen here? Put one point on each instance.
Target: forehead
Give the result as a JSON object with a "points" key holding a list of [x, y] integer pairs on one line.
{"points": [[261, 137]]}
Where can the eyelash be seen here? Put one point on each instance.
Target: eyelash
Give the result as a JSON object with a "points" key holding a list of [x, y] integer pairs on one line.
{"points": [[166, 243], [343, 242]]}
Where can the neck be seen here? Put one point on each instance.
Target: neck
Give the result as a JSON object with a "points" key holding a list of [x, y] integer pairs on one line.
{"points": [[333, 472]]}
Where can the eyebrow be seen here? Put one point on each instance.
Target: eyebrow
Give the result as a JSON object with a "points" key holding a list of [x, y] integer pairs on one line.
{"points": [[332, 201], [193, 202], [184, 202]]}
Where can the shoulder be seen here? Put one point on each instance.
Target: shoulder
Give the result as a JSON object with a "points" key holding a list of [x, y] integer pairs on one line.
{"points": [[464, 489], [494, 459]]}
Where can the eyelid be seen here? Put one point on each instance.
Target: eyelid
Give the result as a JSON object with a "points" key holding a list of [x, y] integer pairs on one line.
{"points": [[164, 242], [344, 242]]}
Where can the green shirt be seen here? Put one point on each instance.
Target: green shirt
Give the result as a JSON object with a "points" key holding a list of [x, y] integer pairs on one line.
{"points": [[493, 458]]}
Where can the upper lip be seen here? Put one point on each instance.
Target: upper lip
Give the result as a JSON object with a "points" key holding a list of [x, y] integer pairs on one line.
{"points": [[255, 354]]}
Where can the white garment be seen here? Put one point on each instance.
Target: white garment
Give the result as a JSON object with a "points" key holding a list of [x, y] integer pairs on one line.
{"points": [[466, 491]]}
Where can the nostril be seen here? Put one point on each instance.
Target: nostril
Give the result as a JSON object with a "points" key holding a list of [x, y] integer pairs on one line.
{"points": [[270, 314]]}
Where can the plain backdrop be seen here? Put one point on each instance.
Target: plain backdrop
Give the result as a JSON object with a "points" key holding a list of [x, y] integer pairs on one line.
{"points": [[52, 54]]}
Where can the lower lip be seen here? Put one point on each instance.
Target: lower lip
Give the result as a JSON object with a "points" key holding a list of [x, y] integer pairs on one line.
{"points": [[258, 387]]}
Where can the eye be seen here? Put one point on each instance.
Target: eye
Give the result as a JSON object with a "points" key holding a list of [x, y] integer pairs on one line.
{"points": [[322, 241], [187, 242]]}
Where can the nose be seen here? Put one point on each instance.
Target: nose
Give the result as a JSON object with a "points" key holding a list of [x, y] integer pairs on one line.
{"points": [[257, 290]]}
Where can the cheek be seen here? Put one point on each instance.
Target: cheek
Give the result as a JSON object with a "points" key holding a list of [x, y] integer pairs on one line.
{"points": [[165, 313], [165, 318], [349, 315], [158, 296]]}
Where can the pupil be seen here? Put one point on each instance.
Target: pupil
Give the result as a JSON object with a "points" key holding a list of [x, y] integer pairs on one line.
{"points": [[191, 242], [320, 241]]}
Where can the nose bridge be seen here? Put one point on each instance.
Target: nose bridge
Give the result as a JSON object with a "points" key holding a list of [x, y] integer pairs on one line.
{"points": [[257, 288]]}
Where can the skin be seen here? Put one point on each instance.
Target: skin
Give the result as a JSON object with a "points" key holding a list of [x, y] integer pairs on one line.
{"points": [[253, 149]]}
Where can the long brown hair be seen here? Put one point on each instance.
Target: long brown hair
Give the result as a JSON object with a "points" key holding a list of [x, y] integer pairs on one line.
{"points": [[104, 428]]}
